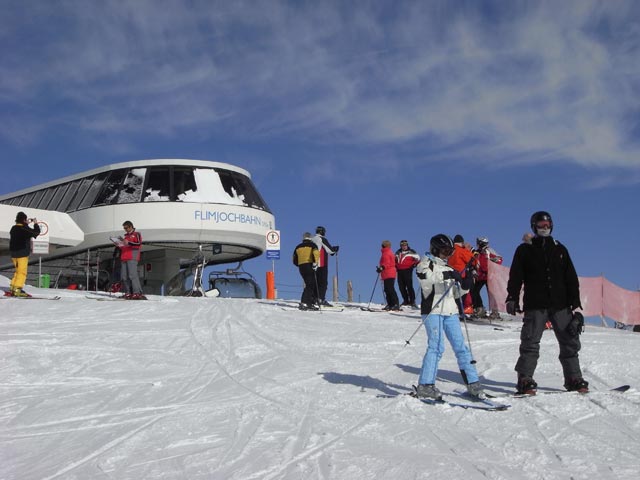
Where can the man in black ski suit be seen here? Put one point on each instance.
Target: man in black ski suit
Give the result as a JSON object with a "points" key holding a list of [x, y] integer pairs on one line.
{"points": [[551, 293], [322, 273], [306, 258]]}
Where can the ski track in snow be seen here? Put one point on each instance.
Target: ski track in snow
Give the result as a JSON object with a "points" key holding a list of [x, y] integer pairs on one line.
{"points": [[240, 389]]}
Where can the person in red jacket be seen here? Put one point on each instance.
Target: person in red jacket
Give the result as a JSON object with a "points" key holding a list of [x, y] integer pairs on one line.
{"points": [[387, 270], [462, 256], [406, 260], [129, 258]]}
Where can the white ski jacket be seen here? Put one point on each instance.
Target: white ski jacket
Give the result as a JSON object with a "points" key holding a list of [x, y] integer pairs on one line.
{"points": [[429, 272]]}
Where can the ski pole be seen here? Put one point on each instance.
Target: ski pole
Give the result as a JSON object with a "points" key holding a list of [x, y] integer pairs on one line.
{"points": [[464, 319], [373, 291], [337, 278], [407, 342], [315, 278]]}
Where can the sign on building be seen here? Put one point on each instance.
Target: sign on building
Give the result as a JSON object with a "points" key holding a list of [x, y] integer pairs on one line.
{"points": [[40, 244], [273, 245]]}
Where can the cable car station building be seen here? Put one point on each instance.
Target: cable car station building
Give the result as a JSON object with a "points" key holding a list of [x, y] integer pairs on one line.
{"points": [[179, 206]]}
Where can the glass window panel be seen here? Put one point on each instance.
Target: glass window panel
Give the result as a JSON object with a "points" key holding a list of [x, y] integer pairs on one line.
{"points": [[28, 198], [68, 196], [239, 186], [184, 183], [112, 185], [15, 200], [158, 187], [93, 190], [36, 198], [46, 198], [57, 197], [82, 189], [132, 188]]}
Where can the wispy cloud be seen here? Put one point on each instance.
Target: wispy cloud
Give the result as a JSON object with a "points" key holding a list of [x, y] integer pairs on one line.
{"points": [[505, 82]]}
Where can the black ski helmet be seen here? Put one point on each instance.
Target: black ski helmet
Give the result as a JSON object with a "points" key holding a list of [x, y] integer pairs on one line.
{"points": [[538, 217], [439, 243], [321, 230]]}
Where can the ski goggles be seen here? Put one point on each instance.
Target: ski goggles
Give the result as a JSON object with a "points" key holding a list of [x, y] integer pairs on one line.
{"points": [[545, 224]]}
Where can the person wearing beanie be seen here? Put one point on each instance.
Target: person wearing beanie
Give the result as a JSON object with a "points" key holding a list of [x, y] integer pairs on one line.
{"points": [[20, 237], [462, 256], [306, 257], [406, 260], [387, 270]]}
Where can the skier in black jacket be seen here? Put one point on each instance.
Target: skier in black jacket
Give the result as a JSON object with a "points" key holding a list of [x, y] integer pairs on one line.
{"points": [[306, 258], [551, 293], [20, 237]]}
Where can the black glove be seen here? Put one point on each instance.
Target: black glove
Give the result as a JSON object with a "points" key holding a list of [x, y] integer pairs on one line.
{"points": [[471, 272], [379, 268], [576, 325], [512, 307], [336, 248], [452, 275]]}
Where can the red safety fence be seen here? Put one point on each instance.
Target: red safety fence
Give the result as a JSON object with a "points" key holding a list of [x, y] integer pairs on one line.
{"points": [[599, 296]]}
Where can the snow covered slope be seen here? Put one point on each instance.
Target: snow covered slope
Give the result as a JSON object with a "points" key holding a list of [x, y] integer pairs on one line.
{"points": [[191, 388]]}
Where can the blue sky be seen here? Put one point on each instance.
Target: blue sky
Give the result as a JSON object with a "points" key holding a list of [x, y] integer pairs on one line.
{"points": [[379, 120]]}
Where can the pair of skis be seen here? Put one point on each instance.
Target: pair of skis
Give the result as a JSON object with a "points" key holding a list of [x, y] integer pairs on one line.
{"points": [[620, 389], [489, 404], [7, 295], [476, 403]]}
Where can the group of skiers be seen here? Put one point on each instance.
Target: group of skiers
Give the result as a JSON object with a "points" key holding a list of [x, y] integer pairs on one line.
{"points": [[402, 265], [451, 276], [310, 256]]}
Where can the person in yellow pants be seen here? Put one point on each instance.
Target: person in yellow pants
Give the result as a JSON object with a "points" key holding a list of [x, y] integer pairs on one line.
{"points": [[20, 246]]}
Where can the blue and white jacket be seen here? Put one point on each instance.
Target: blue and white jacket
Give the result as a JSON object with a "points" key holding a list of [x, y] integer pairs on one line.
{"points": [[429, 272]]}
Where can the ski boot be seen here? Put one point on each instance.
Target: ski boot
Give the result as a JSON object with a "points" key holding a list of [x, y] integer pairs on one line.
{"points": [[18, 292], [475, 390], [304, 306], [479, 312], [428, 391], [577, 385], [526, 385]]}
